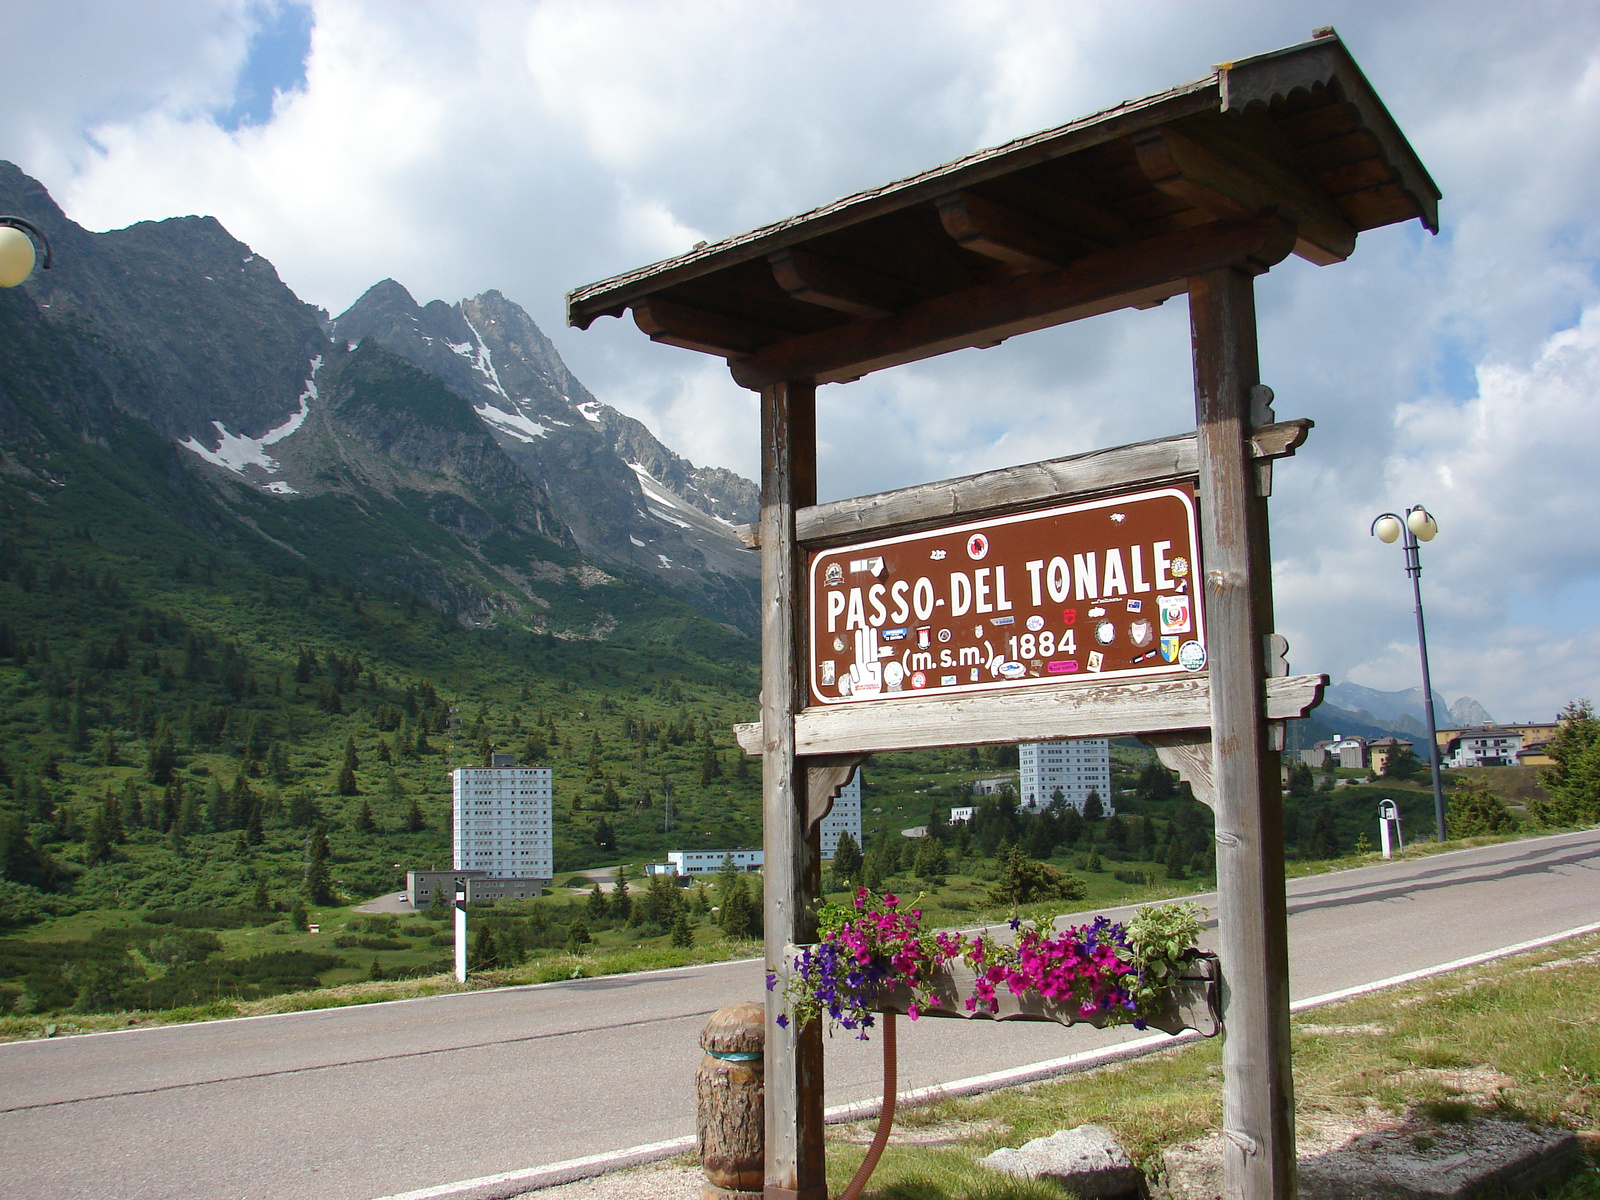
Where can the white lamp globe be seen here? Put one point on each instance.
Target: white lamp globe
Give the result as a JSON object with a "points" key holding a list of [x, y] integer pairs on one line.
{"points": [[1387, 528], [16, 256], [1422, 524]]}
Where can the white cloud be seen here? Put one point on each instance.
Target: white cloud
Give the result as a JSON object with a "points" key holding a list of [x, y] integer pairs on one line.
{"points": [[533, 147]]}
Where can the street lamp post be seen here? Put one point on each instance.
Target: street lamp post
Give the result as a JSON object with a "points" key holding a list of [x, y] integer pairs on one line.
{"points": [[17, 253], [1416, 526]]}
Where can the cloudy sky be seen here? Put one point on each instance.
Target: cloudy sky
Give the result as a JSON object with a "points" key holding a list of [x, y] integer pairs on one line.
{"points": [[534, 147]]}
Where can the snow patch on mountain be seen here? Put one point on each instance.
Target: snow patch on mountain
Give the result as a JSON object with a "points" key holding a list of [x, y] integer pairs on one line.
{"points": [[235, 451], [657, 491], [590, 410], [523, 428]]}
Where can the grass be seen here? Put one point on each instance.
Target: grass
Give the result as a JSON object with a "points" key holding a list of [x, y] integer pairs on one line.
{"points": [[549, 967], [1513, 1039]]}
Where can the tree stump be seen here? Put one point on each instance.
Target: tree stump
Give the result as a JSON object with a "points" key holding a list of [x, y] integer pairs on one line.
{"points": [[730, 1103]]}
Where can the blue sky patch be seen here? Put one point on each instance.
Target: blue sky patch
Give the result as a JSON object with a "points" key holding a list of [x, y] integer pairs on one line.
{"points": [[275, 62]]}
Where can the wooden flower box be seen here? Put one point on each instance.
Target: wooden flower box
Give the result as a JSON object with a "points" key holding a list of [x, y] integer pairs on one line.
{"points": [[1193, 1002]]}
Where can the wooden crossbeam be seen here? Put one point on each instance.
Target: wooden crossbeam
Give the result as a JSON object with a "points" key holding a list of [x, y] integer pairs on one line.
{"points": [[1152, 269], [840, 286], [1231, 179], [675, 324], [1058, 480], [1007, 235], [1034, 714]]}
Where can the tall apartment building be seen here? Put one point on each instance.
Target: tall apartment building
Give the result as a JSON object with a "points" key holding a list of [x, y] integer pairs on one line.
{"points": [[1077, 767], [502, 820], [845, 817]]}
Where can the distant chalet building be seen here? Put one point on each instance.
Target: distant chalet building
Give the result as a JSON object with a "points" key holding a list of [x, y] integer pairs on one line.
{"points": [[709, 862], [962, 816], [1492, 746], [502, 820], [1348, 753], [845, 818], [1077, 767], [1380, 751]]}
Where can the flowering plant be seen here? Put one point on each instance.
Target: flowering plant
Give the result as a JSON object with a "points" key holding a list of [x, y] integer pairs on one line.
{"points": [[1118, 973], [862, 954]]}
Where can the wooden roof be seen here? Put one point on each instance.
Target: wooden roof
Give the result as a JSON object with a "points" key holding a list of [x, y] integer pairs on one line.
{"points": [[1291, 150]]}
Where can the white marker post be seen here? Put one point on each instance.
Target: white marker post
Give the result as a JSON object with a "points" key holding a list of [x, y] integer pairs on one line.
{"points": [[461, 928], [1389, 814]]}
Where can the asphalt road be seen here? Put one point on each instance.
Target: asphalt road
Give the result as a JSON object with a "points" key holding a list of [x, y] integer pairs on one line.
{"points": [[355, 1103]]}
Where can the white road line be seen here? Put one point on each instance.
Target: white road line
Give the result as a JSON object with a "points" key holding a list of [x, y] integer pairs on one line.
{"points": [[493, 1187]]}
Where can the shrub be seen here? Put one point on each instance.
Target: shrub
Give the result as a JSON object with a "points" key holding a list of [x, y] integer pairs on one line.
{"points": [[1022, 880], [1474, 809]]}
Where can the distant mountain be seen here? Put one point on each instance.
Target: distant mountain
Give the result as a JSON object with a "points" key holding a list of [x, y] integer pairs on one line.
{"points": [[628, 500], [1403, 710], [445, 450], [1467, 711]]}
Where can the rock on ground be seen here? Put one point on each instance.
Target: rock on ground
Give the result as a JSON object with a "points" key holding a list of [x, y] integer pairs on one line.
{"points": [[1087, 1160]]}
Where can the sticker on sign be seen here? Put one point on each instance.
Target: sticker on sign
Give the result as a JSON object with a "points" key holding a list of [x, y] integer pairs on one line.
{"points": [[993, 604]]}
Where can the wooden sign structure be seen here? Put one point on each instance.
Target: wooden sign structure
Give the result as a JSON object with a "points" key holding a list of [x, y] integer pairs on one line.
{"points": [[1194, 191]]}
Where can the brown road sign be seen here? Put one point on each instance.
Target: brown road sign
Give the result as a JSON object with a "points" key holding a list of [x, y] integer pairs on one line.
{"points": [[1107, 588]]}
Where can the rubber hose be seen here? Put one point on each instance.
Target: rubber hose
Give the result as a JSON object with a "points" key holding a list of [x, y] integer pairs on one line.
{"points": [[880, 1139]]}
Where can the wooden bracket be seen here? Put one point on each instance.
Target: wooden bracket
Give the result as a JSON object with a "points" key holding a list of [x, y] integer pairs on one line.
{"points": [[825, 779], [1188, 752]]}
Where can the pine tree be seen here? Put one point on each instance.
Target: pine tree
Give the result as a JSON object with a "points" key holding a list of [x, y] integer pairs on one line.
{"points": [[621, 901], [108, 750], [483, 954], [1174, 862], [1473, 809], [346, 785], [298, 915], [1324, 840], [163, 756], [218, 818], [682, 932], [364, 821], [577, 936], [598, 905], [710, 766], [847, 858], [319, 882], [932, 864], [97, 844], [1093, 809], [414, 819]]}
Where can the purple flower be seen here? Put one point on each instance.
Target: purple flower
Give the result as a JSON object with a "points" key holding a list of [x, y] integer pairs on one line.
{"points": [[783, 1021]]}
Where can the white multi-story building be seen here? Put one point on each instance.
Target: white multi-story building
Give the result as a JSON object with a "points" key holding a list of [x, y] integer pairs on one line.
{"points": [[502, 820], [1077, 767], [845, 818], [1491, 746]]}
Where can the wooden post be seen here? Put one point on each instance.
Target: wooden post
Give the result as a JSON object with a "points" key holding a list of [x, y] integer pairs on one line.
{"points": [[1258, 1089], [795, 1160]]}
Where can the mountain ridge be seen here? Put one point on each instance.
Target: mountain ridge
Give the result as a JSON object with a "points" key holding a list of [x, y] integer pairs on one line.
{"points": [[523, 474]]}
